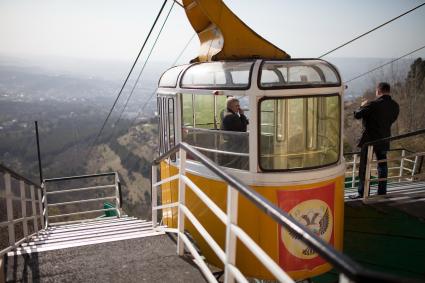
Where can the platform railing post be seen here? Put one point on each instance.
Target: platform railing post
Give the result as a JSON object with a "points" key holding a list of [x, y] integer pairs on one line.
{"points": [[45, 209], [182, 185], [368, 170], [34, 209], [117, 195], [40, 207], [353, 173], [9, 208], [154, 196], [403, 154], [415, 166], [232, 219], [24, 209]]}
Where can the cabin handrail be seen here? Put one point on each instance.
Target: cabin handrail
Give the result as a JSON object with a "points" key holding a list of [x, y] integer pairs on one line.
{"points": [[340, 262]]}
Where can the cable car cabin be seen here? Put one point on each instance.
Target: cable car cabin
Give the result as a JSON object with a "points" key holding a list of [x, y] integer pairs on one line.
{"points": [[291, 152]]}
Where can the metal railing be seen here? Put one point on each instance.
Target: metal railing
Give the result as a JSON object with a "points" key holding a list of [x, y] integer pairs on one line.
{"points": [[217, 144], [117, 197], [34, 214], [349, 270], [407, 161], [413, 158]]}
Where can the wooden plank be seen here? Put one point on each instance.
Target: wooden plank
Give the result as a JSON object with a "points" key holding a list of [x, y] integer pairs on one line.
{"points": [[385, 238]]}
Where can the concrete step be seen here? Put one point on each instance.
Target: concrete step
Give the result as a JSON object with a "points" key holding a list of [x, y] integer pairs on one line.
{"points": [[109, 226], [98, 223], [83, 242], [87, 233], [44, 236], [86, 236]]}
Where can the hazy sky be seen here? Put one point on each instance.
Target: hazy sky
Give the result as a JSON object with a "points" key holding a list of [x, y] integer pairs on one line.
{"points": [[115, 29]]}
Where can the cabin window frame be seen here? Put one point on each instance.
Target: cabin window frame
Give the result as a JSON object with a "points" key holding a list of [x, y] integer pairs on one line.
{"points": [[218, 87], [166, 123], [181, 69], [215, 129], [301, 85], [336, 94]]}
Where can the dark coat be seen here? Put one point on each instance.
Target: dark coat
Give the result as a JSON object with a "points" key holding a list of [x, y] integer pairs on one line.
{"points": [[377, 117], [233, 122]]}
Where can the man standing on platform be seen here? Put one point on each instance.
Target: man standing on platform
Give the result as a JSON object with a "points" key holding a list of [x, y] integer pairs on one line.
{"points": [[377, 117]]}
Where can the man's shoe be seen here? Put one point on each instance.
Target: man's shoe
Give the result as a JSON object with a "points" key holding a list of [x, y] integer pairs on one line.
{"points": [[355, 196]]}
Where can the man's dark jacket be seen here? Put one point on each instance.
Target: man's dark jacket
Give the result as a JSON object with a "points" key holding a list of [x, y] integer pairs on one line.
{"points": [[234, 122], [378, 116]]}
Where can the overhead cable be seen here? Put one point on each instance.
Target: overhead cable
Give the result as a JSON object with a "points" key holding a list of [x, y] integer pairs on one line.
{"points": [[144, 65], [372, 30], [178, 3], [390, 62], [154, 92], [128, 76]]}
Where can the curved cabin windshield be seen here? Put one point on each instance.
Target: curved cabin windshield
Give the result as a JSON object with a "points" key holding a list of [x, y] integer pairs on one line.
{"points": [[296, 73], [218, 75], [299, 132], [202, 116]]}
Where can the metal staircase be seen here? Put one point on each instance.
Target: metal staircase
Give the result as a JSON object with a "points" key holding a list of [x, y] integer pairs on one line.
{"points": [[92, 232], [112, 247]]}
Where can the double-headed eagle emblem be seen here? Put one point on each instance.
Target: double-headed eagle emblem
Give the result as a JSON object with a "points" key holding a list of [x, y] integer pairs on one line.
{"points": [[317, 225]]}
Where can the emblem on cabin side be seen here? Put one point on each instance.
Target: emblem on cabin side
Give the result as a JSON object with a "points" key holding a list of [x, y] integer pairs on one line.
{"points": [[314, 208], [315, 215]]}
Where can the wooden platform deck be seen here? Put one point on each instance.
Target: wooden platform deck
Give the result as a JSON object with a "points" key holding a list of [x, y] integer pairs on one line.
{"points": [[387, 233]]}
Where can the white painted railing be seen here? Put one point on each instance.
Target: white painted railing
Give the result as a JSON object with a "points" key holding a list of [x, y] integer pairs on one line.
{"points": [[405, 169], [115, 186], [412, 158], [349, 270], [9, 194], [229, 219]]}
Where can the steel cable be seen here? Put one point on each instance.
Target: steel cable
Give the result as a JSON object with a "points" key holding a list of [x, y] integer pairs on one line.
{"points": [[372, 30], [128, 76]]}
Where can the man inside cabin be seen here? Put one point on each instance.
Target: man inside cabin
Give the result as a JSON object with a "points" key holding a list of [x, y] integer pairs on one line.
{"points": [[234, 120], [377, 117]]}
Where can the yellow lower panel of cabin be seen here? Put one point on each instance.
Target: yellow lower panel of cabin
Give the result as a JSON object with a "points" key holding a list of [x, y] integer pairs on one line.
{"points": [[318, 206]]}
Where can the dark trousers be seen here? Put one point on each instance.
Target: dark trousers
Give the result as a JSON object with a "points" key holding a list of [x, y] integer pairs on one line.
{"points": [[382, 171]]}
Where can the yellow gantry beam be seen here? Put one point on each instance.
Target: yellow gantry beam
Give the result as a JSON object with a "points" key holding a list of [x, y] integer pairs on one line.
{"points": [[224, 36]]}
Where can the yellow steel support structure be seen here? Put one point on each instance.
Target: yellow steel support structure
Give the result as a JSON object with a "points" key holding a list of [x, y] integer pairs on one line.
{"points": [[224, 36]]}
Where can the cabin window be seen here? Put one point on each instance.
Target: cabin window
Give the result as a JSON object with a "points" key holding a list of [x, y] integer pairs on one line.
{"points": [[203, 111], [202, 115], [299, 132], [166, 112], [218, 75], [297, 73], [169, 78], [160, 125]]}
